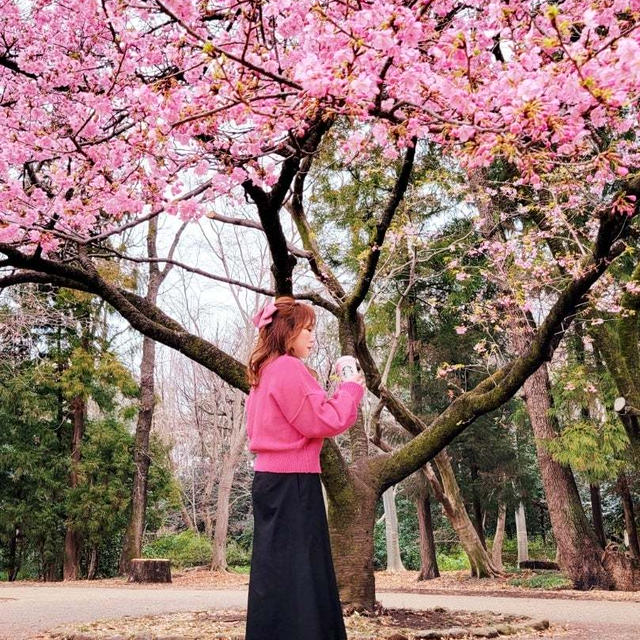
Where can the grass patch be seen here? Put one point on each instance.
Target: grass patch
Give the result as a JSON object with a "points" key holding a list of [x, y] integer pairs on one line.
{"points": [[549, 580], [243, 568]]}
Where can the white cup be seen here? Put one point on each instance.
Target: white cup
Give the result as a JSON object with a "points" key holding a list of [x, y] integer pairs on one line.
{"points": [[346, 367]]}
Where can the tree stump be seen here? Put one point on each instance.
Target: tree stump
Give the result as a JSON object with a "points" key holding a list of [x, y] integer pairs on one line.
{"points": [[150, 570]]}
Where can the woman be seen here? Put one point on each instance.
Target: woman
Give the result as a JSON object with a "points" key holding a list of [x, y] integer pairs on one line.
{"points": [[292, 586]]}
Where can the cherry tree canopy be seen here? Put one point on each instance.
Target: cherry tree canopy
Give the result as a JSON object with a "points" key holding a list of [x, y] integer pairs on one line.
{"points": [[113, 111]]}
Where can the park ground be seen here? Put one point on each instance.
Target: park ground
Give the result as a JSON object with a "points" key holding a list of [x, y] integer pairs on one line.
{"points": [[197, 601]]}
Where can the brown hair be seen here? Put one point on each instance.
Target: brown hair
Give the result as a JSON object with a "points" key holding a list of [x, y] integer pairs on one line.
{"points": [[276, 338]]}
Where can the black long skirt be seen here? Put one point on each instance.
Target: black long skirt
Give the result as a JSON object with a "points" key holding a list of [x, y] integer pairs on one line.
{"points": [[292, 585]]}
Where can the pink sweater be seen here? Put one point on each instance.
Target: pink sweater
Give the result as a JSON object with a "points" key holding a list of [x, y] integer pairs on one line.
{"points": [[289, 415]]}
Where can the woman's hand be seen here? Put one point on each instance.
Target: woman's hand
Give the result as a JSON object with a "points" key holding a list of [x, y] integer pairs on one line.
{"points": [[359, 378]]}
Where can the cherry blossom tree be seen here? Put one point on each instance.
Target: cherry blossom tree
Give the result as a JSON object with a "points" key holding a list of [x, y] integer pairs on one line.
{"points": [[116, 113]]}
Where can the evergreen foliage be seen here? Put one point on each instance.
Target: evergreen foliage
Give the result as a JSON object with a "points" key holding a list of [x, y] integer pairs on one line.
{"points": [[48, 368]]}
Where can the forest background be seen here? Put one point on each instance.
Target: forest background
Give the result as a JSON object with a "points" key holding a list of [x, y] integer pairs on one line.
{"points": [[463, 221]]}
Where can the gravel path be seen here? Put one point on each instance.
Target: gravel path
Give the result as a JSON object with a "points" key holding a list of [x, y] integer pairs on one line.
{"points": [[28, 610]]}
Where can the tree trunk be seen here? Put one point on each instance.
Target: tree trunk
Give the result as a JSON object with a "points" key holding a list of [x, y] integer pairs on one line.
{"points": [[478, 516], [352, 513], [186, 516], [13, 564], [351, 531], [394, 561], [50, 571], [498, 538], [629, 515], [413, 347], [428, 560], [93, 564], [596, 514], [72, 539], [579, 553], [448, 494], [521, 534], [578, 548], [184, 512], [219, 555], [208, 517], [132, 544]]}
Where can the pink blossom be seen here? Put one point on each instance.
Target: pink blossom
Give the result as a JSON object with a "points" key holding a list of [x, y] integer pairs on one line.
{"points": [[126, 140]]}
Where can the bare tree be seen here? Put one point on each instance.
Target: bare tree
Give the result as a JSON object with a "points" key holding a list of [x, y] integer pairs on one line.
{"points": [[132, 544]]}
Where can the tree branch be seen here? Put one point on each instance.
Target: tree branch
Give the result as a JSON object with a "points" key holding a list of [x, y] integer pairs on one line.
{"points": [[252, 224], [504, 383], [367, 273], [296, 209], [231, 56], [269, 204], [13, 66], [147, 318]]}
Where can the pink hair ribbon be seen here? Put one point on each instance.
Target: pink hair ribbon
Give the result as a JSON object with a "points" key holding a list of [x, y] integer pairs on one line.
{"points": [[264, 316]]}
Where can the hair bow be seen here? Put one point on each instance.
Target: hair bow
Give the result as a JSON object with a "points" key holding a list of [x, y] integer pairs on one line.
{"points": [[265, 315]]}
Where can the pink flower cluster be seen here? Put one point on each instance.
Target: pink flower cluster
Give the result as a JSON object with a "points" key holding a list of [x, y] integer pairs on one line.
{"points": [[110, 109]]}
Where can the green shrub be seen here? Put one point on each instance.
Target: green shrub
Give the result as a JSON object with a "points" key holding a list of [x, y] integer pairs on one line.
{"points": [[237, 556], [538, 550], [453, 560], [244, 537], [189, 549], [185, 549], [379, 547], [547, 580]]}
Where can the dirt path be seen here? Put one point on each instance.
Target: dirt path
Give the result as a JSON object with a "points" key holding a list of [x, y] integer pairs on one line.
{"points": [[27, 610]]}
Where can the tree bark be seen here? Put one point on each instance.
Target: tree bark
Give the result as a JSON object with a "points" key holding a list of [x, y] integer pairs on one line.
{"points": [[579, 553], [93, 563], [622, 486], [596, 514], [150, 570], [498, 538], [447, 492], [394, 561], [352, 494], [13, 563], [351, 522], [478, 516], [132, 544], [219, 557], [428, 558], [72, 538], [521, 534]]}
